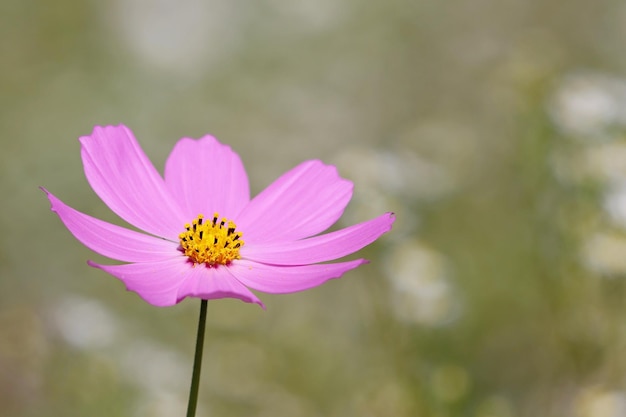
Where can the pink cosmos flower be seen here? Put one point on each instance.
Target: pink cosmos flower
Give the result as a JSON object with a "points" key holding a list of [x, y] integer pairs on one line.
{"points": [[205, 237]]}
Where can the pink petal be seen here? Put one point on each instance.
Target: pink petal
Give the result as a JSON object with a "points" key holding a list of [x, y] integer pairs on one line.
{"points": [[302, 202], [125, 179], [320, 248], [168, 282], [285, 279], [206, 177], [212, 283], [110, 240]]}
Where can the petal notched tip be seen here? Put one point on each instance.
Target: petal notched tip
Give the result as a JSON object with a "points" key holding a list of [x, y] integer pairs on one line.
{"points": [[156, 283], [206, 176], [224, 294], [45, 190], [214, 283], [106, 130]]}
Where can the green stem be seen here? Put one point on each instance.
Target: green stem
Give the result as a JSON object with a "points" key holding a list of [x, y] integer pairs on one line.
{"points": [[197, 362]]}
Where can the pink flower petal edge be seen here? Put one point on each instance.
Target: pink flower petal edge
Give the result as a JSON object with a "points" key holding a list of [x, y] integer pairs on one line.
{"points": [[322, 248], [109, 240], [287, 279], [303, 202], [165, 283], [207, 177], [124, 178]]}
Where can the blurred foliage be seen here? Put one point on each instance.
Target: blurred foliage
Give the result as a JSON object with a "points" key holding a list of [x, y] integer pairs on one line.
{"points": [[494, 129]]}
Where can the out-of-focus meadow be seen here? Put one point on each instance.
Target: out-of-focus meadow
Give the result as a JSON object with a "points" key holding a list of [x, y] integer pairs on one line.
{"points": [[494, 129]]}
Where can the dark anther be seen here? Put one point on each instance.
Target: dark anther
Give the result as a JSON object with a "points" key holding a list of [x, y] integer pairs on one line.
{"points": [[201, 233], [226, 245], [200, 220], [222, 223], [236, 237], [230, 231], [237, 245], [194, 227], [214, 220], [215, 240]]}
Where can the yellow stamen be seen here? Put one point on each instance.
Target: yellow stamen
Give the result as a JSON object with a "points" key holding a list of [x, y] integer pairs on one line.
{"points": [[211, 243]]}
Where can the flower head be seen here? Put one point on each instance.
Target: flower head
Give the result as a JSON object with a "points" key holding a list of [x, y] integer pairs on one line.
{"points": [[204, 237]]}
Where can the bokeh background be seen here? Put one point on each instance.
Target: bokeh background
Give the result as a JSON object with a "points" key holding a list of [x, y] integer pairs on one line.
{"points": [[495, 129]]}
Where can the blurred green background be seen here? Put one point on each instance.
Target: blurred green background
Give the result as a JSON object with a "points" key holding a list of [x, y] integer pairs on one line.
{"points": [[493, 128]]}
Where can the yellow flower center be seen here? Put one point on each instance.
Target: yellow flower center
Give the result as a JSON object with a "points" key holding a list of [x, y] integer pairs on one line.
{"points": [[211, 242]]}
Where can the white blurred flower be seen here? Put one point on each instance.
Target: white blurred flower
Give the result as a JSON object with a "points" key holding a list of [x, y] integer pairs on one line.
{"points": [[163, 404], [588, 105], [421, 292], [155, 368], [180, 36], [402, 173], [604, 163], [615, 204], [599, 403], [607, 162], [604, 254], [84, 323], [385, 177]]}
